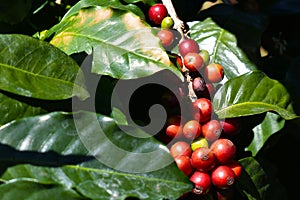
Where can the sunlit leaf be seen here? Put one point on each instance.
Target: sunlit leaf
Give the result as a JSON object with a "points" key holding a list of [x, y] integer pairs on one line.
{"points": [[33, 68], [134, 172], [123, 45], [253, 93], [222, 47]]}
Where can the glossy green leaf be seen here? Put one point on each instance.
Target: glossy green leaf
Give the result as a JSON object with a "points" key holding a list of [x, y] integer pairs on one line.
{"points": [[133, 173], [28, 189], [119, 116], [34, 68], [250, 94], [11, 109], [100, 184], [222, 47], [123, 45], [147, 2], [259, 183], [116, 4], [270, 125]]}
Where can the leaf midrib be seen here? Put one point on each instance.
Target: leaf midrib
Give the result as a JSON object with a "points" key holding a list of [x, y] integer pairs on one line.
{"points": [[123, 174], [277, 108], [100, 171], [108, 44], [37, 75]]}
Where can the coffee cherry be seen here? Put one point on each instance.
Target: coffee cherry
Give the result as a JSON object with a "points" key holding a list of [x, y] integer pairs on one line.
{"points": [[214, 73], [188, 46], [202, 109], [199, 142], [230, 126], [211, 130], [192, 129], [174, 127], [157, 13], [236, 168], [198, 85], [184, 164], [193, 61], [224, 150], [167, 22], [202, 182], [205, 56], [166, 37], [203, 159], [176, 60], [180, 148], [222, 177]]}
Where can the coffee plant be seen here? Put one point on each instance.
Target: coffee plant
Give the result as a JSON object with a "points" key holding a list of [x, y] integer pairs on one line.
{"points": [[148, 99]]}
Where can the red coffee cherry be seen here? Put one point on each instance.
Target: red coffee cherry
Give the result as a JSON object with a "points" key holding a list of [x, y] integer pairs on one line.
{"points": [[192, 129], [176, 60], [193, 61], [224, 150], [198, 85], [214, 72], [188, 46], [174, 127], [166, 37], [180, 148], [184, 164], [236, 167], [202, 182], [222, 177], [157, 13], [202, 109], [211, 130], [230, 126], [203, 159]]}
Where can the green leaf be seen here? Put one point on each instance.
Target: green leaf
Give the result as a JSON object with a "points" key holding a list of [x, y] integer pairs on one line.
{"points": [[129, 163], [116, 4], [27, 189], [259, 184], [250, 94], [123, 45], [271, 124], [34, 68], [11, 109], [100, 184], [222, 47], [119, 116], [147, 2]]}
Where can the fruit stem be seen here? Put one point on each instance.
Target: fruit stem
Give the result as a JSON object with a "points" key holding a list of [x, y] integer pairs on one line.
{"points": [[178, 23], [192, 95]]}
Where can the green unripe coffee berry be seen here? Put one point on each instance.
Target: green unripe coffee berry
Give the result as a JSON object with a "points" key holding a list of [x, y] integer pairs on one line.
{"points": [[199, 142], [167, 22], [205, 56]]}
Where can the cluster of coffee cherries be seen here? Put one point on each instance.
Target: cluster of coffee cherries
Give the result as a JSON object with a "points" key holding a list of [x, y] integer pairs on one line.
{"points": [[198, 141]]}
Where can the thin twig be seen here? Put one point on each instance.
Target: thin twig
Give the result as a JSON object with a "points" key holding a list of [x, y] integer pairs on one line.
{"points": [[178, 23]]}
